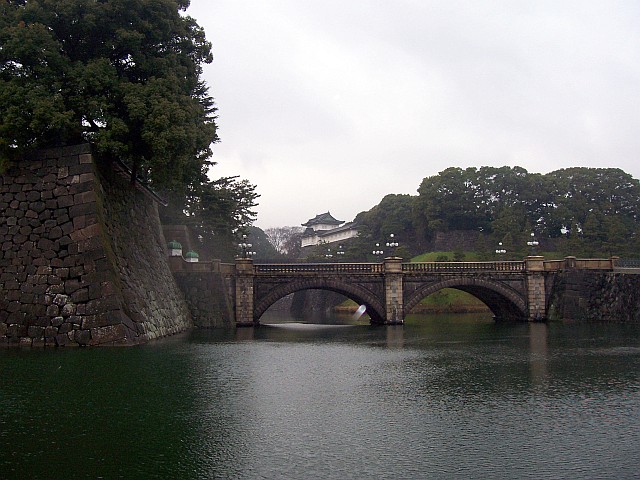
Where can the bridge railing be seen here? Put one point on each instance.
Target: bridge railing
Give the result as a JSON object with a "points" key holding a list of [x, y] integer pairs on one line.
{"points": [[553, 265], [627, 263], [463, 267], [317, 268]]}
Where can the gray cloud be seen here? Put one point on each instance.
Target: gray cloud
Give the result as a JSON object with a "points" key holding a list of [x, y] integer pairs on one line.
{"points": [[331, 105]]}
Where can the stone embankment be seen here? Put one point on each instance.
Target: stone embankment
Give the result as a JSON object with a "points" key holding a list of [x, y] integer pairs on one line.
{"points": [[596, 297], [82, 256]]}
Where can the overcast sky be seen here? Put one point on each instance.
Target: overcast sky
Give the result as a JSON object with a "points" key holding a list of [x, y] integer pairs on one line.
{"points": [[332, 104]]}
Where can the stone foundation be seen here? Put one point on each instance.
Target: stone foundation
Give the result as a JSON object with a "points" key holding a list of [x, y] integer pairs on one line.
{"points": [[82, 256], [596, 297]]}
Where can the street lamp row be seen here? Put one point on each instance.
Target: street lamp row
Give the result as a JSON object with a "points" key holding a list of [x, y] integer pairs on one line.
{"points": [[339, 252], [533, 244], [245, 248], [391, 244]]}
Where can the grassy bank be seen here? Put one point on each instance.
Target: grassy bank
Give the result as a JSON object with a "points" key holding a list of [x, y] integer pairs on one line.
{"points": [[447, 300]]}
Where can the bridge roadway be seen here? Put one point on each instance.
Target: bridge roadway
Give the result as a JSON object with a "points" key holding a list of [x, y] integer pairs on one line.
{"points": [[517, 290]]}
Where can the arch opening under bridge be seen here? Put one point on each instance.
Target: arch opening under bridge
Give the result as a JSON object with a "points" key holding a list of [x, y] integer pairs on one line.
{"points": [[354, 292], [504, 302]]}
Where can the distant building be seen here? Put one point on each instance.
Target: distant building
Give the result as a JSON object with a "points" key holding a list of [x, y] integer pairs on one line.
{"points": [[323, 228]]}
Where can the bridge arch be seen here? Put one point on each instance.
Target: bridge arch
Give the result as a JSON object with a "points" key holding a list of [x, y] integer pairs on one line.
{"points": [[362, 296], [503, 301]]}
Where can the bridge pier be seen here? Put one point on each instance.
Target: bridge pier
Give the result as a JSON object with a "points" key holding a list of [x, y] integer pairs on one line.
{"points": [[244, 292], [536, 292], [393, 292]]}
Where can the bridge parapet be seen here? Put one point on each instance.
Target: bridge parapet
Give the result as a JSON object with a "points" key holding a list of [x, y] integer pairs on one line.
{"points": [[463, 267], [573, 263], [593, 263], [318, 268]]}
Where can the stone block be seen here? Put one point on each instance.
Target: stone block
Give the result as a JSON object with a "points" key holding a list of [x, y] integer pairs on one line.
{"points": [[50, 332], [70, 261], [33, 196], [110, 334], [65, 328], [85, 158], [60, 300], [86, 178], [86, 184], [82, 337], [55, 289], [84, 197], [57, 321], [80, 168], [80, 296], [73, 285], [63, 172], [80, 149], [67, 227], [82, 209], [65, 201], [54, 280], [85, 233], [102, 320], [35, 332], [46, 244], [79, 222]]}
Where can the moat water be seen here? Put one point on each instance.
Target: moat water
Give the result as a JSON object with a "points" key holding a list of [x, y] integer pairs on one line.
{"points": [[440, 397]]}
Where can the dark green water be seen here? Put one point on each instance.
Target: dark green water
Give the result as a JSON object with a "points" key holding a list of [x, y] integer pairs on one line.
{"points": [[443, 397]]}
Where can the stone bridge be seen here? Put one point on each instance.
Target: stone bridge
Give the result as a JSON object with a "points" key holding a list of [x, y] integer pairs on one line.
{"points": [[513, 290]]}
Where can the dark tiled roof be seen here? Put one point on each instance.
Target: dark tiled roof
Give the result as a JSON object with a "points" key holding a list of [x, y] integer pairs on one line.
{"points": [[323, 219], [345, 227]]}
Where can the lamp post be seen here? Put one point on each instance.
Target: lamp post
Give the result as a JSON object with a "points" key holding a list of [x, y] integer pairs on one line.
{"points": [[340, 252], [500, 251], [533, 243], [328, 255], [245, 248], [377, 251], [392, 244]]}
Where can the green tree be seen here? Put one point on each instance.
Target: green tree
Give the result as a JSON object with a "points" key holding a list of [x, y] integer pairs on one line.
{"points": [[452, 200], [219, 212], [393, 215], [578, 192], [121, 74], [261, 245]]}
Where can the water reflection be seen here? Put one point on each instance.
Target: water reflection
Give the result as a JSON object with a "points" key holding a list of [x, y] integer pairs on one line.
{"points": [[539, 356], [395, 336], [440, 397]]}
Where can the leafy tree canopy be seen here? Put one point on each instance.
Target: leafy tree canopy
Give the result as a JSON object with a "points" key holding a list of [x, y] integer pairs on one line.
{"points": [[121, 74], [217, 211], [582, 211]]}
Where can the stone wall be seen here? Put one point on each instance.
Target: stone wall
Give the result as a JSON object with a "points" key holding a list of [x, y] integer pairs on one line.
{"points": [[464, 240], [583, 295], [314, 304], [82, 256], [208, 290]]}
